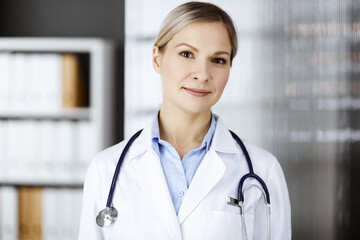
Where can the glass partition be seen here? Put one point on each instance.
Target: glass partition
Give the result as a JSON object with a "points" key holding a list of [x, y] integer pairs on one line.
{"points": [[294, 89]]}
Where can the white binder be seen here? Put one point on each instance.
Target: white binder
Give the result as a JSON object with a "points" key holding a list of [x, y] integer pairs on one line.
{"points": [[8, 213]]}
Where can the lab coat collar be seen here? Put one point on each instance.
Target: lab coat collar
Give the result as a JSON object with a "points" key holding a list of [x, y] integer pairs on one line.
{"points": [[151, 176], [206, 142], [222, 140], [141, 144]]}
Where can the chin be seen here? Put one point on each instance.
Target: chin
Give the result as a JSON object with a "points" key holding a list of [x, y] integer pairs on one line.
{"points": [[197, 109]]}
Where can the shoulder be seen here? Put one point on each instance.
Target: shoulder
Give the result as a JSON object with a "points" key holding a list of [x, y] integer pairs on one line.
{"points": [[265, 164], [229, 150], [110, 153], [104, 162], [259, 154]]}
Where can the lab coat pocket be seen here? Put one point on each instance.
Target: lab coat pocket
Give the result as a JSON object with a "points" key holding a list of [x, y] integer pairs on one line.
{"points": [[227, 225]]}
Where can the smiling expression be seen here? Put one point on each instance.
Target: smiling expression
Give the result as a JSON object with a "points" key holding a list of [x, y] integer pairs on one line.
{"points": [[194, 66]]}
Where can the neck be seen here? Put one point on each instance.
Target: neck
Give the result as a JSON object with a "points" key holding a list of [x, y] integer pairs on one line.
{"points": [[184, 131]]}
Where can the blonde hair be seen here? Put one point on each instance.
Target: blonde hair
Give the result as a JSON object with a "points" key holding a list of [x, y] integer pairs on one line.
{"points": [[192, 12]]}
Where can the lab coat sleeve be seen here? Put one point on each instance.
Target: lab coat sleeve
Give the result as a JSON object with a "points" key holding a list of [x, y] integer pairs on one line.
{"points": [[280, 204], [93, 201]]}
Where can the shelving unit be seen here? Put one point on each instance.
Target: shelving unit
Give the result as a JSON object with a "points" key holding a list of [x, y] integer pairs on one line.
{"points": [[79, 114], [46, 147], [98, 116]]}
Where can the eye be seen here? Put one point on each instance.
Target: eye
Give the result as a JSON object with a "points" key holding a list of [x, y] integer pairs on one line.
{"points": [[186, 54], [219, 61]]}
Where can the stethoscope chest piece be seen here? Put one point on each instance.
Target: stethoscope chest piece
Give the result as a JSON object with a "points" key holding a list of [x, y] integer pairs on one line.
{"points": [[106, 217]]}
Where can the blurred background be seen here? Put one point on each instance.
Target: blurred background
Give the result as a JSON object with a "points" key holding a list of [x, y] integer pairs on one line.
{"points": [[294, 89]]}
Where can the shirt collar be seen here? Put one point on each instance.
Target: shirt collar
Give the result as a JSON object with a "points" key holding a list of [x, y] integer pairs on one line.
{"points": [[155, 133]]}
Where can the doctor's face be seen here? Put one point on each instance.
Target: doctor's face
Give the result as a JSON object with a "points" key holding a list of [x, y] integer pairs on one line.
{"points": [[194, 67]]}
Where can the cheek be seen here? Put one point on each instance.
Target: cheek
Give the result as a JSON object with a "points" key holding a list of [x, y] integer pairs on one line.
{"points": [[222, 79], [173, 71]]}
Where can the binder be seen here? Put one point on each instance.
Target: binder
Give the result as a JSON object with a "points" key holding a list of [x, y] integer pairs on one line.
{"points": [[45, 88], [53, 78], [13, 161], [50, 209], [3, 147], [86, 146], [65, 150], [30, 213], [8, 213], [47, 149], [61, 212], [18, 82], [5, 61], [73, 82]]}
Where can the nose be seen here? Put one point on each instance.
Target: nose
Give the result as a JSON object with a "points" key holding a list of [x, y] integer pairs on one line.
{"points": [[201, 71]]}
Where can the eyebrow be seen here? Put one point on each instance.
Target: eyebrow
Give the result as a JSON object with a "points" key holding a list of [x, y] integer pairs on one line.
{"points": [[197, 50]]}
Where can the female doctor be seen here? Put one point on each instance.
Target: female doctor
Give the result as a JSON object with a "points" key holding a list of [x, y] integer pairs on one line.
{"points": [[179, 178]]}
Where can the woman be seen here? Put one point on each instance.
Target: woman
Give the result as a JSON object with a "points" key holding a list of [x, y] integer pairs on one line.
{"points": [[178, 174]]}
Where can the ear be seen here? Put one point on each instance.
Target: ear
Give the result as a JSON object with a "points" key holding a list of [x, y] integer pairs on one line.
{"points": [[156, 59]]}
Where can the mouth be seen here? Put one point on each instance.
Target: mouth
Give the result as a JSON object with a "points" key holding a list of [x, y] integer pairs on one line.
{"points": [[197, 92]]}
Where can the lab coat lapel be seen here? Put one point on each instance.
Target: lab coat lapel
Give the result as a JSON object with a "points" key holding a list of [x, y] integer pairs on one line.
{"points": [[207, 176], [210, 171], [149, 174]]}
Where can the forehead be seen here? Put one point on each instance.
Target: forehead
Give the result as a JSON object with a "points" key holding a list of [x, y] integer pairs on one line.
{"points": [[204, 35]]}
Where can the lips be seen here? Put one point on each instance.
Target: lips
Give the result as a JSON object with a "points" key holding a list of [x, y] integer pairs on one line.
{"points": [[197, 92]]}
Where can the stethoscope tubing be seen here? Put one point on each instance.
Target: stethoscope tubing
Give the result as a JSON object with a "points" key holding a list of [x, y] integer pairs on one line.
{"points": [[109, 214], [244, 150], [251, 173], [118, 166]]}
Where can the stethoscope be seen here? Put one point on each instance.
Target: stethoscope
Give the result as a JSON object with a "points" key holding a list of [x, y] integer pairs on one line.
{"points": [[108, 216]]}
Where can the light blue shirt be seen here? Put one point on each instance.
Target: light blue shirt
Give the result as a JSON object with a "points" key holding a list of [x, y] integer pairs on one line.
{"points": [[179, 173]]}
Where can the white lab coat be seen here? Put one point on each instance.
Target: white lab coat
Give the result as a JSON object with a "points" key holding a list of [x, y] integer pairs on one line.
{"points": [[144, 203]]}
